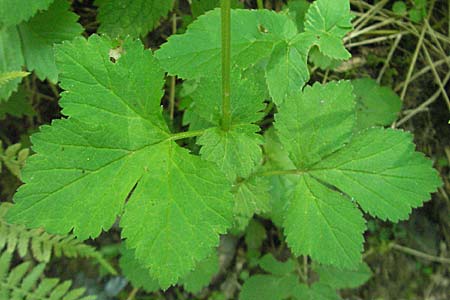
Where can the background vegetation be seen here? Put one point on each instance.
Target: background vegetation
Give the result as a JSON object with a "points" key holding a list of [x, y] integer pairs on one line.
{"points": [[402, 45]]}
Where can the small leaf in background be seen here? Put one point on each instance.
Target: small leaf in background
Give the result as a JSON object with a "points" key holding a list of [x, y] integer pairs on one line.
{"points": [[201, 276], [341, 278], [399, 8], [316, 291], [271, 265], [268, 287], [255, 234], [14, 158], [132, 18], [18, 105], [419, 11], [135, 271], [376, 105]]}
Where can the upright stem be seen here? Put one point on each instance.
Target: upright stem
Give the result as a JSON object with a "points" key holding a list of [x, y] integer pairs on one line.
{"points": [[173, 80], [260, 4], [226, 64]]}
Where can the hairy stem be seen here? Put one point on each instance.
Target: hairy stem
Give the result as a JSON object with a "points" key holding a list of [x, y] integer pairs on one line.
{"points": [[226, 64]]}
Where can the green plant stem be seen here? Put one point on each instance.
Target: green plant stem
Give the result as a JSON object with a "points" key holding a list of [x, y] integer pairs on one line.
{"points": [[132, 294], [226, 64], [260, 4], [186, 134], [173, 79]]}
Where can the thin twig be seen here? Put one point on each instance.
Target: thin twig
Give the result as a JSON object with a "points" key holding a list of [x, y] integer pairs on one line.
{"points": [[413, 63], [423, 106], [132, 294], [423, 71], [420, 254], [389, 57], [436, 77]]}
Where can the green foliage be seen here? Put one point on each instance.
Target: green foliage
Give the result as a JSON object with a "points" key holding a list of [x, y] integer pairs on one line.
{"points": [[200, 277], [281, 281], [121, 152], [373, 164], [13, 157], [192, 282], [9, 76], [133, 18], [25, 44], [41, 245], [265, 36], [343, 279], [27, 282], [13, 12], [376, 105], [313, 171], [18, 105], [416, 12]]}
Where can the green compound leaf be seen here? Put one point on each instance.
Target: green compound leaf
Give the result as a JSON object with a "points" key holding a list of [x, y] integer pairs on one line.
{"points": [[343, 279], [197, 52], [329, 21], [324, 224], [316, 122], [133, 18], [377, 168], [115, 142], [40, 33], [13, 12], [376, 105], [381, 170], [12, 59]]}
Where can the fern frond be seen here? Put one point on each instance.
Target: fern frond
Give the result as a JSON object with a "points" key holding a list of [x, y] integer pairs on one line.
{"points": [[8, 76], [27, 282], [14, 158], [43, 245]]}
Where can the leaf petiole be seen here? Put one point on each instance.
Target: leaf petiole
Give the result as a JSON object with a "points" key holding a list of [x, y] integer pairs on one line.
{"points": [[226, 64]]}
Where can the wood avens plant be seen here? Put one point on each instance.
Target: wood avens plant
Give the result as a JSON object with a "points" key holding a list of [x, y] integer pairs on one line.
{"points": [[314, 170]]}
